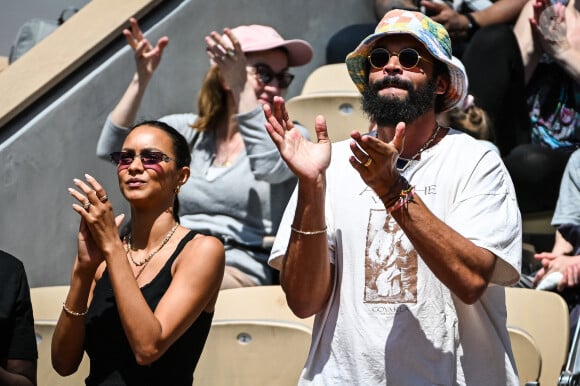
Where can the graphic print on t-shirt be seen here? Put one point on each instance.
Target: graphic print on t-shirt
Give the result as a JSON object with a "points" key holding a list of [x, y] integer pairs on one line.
{"points": [[390, 262]]}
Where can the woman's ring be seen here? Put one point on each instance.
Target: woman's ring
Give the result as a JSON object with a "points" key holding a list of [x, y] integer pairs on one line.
{"points": [[368, 163], [87, 205], [104, 198], [231, 53]]}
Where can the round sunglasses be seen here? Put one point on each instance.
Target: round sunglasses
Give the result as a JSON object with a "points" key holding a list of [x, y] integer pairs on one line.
{"points": [[408, 58], [267, 75], [148, 157]]}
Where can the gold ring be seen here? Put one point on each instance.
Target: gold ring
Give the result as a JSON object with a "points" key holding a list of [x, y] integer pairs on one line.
{"points": [[369, 161], [231, 53], [87, 205], [104, 198]]}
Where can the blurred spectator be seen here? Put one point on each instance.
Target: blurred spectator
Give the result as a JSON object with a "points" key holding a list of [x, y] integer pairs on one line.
{"points": [[565, 255], [18, 352], [551, 59]]}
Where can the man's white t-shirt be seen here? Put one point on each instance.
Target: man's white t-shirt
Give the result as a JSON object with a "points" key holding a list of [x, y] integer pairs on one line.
{"points": [[389, 319]]}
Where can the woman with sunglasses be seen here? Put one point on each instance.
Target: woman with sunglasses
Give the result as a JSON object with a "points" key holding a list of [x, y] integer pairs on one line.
{"points": [[239, 185], [141, 306]]}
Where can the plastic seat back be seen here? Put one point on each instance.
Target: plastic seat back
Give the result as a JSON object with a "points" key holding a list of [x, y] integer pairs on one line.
{"points": [[47, 306], [527, 356], [544, 316], [255, 339]]}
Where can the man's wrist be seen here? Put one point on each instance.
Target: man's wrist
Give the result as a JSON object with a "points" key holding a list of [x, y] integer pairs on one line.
{"points": [[393, 194]]}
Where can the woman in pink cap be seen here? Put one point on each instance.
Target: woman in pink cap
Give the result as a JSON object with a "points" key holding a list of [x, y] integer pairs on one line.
{"points": [[239, 185]]}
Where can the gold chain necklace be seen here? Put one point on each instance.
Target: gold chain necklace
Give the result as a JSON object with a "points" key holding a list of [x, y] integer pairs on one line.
{"points": [[422, 149], [146, 260]]}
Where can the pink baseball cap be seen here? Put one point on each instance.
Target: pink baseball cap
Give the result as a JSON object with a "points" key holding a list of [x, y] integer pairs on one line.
{"points": [[257, 37]]}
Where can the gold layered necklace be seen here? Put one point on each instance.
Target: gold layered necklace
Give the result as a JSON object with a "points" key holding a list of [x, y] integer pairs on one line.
{"points": [[421, 150], [150, 256]]}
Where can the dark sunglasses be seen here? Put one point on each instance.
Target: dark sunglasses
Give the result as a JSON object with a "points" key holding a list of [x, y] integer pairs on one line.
{"points": [[408, 58], [267, 75], [148, 157]]}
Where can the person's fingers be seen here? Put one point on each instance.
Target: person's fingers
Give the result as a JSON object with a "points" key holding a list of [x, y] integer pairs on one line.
{"points": [[359, 166], [136, 29], [141, 48], [398, 140], [284, 115], [236, 47], [273, 124], [81, 198], [361, 155], [219, 46], [162, 43], [98, 190], [538, 276], [158, 50], [432, 6], [119, 219], [278, 107], [321, 129], [130, 38]]}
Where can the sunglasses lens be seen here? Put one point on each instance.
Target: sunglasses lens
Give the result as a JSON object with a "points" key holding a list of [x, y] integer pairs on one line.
{"points": [[265, 73], [379, 58], [284, 79], [408, 58], [151, 158], [122, 158]]}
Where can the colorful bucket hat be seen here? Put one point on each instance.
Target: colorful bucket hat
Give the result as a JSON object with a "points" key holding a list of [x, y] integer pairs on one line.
{"points": [[429, 33]]}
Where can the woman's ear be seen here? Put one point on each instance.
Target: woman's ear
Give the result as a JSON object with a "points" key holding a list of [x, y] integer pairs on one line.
{"points": [[183, 175]]}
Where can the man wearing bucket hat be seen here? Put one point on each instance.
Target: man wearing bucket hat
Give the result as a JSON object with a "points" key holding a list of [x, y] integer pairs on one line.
{"points": [[400, 242], [239, 184]]}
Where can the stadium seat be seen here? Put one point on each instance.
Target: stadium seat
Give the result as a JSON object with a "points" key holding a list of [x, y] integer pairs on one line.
{"points": [[255, 339], [46, 306], [544, 316]]}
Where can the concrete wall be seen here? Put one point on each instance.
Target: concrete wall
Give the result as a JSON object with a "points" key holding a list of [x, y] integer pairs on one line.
{"points": [[51, 147]]}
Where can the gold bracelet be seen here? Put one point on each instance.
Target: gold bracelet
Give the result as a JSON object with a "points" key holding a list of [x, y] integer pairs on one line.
{"points": [[73, 313], [308, 232]]}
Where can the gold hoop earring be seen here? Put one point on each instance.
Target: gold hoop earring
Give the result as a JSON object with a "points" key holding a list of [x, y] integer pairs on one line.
{"points": [[176, 190]]}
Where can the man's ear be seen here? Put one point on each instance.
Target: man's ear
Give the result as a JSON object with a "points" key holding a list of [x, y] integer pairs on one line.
{"points": [[442, 84]]}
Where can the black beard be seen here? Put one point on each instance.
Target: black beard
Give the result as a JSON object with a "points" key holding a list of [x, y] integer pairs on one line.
{"points": [[388, 111]]}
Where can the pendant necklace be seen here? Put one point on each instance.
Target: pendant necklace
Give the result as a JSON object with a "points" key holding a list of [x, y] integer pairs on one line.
{"points": [[421, 150], [148, 258]]}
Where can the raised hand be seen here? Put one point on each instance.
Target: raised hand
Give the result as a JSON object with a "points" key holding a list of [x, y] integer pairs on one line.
{"points": [[454, 22], [228, 55], [549, 27], [306, 159], [376, 161], [98, 225], [147, 57]]}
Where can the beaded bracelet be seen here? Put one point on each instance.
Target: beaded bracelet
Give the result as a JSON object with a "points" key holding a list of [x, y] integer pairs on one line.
{"points": [[405, 197], [392, 200], [308, 232], [73, 313]]}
